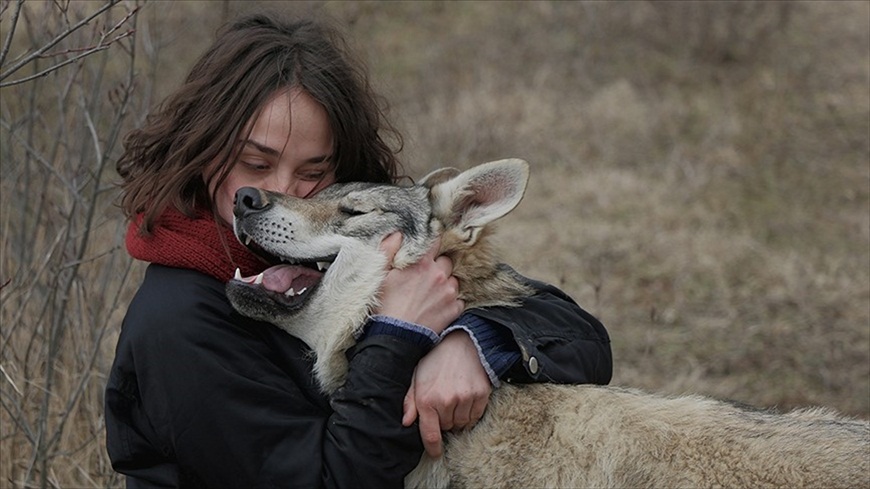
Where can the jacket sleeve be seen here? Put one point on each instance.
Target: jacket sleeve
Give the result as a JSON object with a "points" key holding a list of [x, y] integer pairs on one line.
{"points": [[365, 444], [558, 340], [203, 397]]}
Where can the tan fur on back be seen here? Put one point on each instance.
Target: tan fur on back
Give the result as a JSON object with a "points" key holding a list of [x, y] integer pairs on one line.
{"points": [[586, 436]]}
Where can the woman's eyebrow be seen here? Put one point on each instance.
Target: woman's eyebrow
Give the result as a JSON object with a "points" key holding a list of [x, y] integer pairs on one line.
{"points": [[262, 148]]}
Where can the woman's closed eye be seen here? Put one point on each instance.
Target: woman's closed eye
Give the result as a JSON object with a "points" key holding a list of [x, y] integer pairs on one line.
{"points": [[256, 165], [312, 176]]}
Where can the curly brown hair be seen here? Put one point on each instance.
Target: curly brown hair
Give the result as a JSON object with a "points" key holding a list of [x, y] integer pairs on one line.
{"points": [[202, 122]]}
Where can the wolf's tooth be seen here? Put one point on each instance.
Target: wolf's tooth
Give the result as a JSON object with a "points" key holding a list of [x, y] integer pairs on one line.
{"points": [[247, 240], [302, 291], [259, 279], [322, 265], [238, 275], [290, 292]]}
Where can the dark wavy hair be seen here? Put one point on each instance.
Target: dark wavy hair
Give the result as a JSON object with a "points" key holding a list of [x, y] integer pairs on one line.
{"points": [[202, 122]]}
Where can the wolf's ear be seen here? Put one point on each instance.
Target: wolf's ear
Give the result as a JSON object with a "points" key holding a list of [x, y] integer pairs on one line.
{"points": [[472, 199]]}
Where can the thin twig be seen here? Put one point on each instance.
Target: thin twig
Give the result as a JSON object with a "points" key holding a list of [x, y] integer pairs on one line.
{"points": [[9, 379], [18, 417], [8, 42]]}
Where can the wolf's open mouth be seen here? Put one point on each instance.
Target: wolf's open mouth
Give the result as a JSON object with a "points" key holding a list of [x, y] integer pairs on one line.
{"points": [[289, 280]]}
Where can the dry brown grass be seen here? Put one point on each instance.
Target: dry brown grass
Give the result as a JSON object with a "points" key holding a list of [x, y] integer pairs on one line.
{"points": [[700, 181]]}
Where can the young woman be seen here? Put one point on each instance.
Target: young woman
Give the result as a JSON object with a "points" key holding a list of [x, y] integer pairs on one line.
{"points": [[199, 396]]}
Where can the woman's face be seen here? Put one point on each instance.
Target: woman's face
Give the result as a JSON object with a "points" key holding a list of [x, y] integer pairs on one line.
{"points": [[289, 150]]}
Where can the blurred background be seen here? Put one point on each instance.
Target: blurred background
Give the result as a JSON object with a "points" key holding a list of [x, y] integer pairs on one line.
{"points": [[700, 182]]}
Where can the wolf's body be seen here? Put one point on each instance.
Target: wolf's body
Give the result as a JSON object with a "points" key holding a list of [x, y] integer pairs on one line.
{"points": [[540, 435]]}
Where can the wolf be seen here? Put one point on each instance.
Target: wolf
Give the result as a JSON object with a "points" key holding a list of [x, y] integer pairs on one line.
{"points": [[539, 435]]}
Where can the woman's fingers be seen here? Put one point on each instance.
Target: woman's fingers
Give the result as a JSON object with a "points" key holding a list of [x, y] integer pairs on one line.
{"points": [[390, 246]]}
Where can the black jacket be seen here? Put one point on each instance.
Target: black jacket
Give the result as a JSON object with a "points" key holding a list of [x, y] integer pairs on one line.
{"points": [[199, 396]]}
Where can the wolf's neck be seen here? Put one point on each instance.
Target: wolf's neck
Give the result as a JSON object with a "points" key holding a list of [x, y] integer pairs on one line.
{"points": [[342, 306], [483, 282]]}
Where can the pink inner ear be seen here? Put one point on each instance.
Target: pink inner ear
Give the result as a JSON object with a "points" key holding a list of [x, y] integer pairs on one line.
{"points": [[482, 192]]}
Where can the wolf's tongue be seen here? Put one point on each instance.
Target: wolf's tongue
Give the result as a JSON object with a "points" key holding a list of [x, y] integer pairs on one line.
{"points": [[281, 278]]}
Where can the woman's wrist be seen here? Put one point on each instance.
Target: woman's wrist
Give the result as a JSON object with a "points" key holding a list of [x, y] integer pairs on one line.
{"points": [[380, 324], [496, 348]]}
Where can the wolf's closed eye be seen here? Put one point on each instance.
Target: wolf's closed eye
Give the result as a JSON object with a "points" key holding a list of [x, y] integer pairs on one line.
{"points": [[351, 211]]}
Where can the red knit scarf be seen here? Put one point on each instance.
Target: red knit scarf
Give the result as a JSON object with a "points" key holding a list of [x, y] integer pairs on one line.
{"points": [[198, 243]]}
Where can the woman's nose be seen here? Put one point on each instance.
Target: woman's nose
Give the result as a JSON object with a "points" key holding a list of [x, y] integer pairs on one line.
{"points": [[284, 185]]}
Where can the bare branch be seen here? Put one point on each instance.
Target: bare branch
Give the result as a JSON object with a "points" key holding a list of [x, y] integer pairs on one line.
{"points": [[87, 52], [39, 52], [8, 43]]}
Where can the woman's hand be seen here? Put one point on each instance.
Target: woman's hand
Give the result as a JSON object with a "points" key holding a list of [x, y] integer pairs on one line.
{"points": [[424, 293], [450, 390]]}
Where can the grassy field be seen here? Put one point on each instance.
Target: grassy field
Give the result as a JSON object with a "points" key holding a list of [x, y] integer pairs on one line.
{"points": [[700, 182]]}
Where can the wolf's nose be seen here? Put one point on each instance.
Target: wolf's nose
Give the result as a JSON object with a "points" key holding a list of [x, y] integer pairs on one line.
{"points": [[249, 200]]}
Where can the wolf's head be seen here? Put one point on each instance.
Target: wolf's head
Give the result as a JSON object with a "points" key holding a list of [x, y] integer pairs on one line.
{"points": [[328, 265]]}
